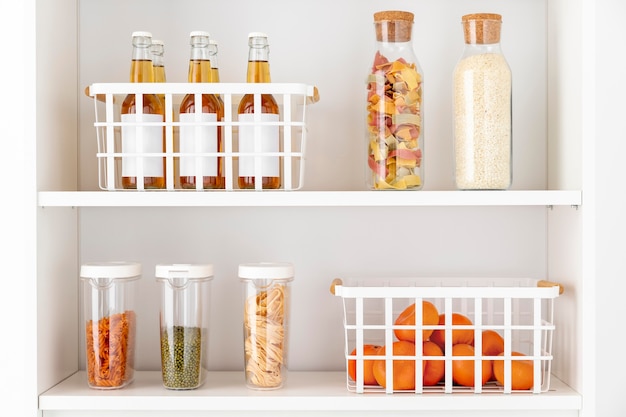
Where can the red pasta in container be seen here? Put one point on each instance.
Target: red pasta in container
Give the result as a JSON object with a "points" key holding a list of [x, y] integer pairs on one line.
{"points": [[110, 323]]}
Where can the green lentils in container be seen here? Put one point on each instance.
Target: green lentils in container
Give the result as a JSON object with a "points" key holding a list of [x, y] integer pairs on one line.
{"points": [[181, 355]]}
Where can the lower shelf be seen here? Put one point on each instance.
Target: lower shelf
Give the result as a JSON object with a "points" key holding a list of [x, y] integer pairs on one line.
{"points": [[303, 391]]}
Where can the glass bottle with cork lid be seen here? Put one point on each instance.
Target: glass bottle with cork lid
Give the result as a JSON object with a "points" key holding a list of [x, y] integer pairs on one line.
{"points": [[195, 138], [265, 113], [395, 128], [137, 137], [482, 87]]}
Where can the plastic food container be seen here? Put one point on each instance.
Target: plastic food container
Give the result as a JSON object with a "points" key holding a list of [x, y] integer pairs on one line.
{"points": [[184, 323], [479, 335], [110, 322], [265, 322]]}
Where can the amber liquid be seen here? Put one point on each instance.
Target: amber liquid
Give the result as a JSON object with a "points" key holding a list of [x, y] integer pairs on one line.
{"points": [[159, 77], [215, 78], [210, 104], [141, 71], [258, 71]]}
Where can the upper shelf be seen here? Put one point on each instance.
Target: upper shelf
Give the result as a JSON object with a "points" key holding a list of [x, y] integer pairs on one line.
{"points": [[307, 198]]}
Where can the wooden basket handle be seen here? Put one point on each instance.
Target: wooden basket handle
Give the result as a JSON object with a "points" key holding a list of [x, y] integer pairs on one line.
{"points": [[336, 281], [545, 283]]}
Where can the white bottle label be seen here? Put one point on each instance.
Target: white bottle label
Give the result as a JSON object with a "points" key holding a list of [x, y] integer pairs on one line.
{"points": [[151, 138], [268, 139], [198, 139]]}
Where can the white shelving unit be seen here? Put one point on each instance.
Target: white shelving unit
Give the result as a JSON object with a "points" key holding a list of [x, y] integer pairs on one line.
{"points": [[544, 226]]}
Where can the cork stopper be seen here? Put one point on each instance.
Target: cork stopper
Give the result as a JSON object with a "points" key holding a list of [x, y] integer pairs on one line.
{"points": [[393, 26], [482, 28]]}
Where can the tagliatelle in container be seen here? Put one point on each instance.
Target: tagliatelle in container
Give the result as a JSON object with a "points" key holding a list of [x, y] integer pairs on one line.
{"points": [[394, 123], [264, 319]]}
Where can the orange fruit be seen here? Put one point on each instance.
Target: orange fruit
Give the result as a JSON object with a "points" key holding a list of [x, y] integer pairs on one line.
{"points": [[493, 343], [403, 369], [463, 369], [521, 372], [432, 371], [368, 375], [465, 336], [430, 316]]}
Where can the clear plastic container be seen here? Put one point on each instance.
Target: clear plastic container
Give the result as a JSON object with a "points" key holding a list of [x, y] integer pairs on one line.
{"points": [[110, 322], [265, 322], [184, 323]]}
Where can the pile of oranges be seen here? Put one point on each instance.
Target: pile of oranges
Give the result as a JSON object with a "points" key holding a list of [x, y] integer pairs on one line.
{"points": [[433, 344]]}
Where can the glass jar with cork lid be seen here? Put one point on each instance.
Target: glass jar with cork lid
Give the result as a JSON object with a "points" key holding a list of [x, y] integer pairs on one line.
{"points": [[482, 108], [395, 133]]}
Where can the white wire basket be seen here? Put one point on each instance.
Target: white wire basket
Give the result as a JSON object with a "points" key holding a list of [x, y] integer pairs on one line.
{"points": [[286, 157], [519, 310]]}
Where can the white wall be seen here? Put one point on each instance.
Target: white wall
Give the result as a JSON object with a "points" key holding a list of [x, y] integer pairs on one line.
{"points": [[611, 200]]}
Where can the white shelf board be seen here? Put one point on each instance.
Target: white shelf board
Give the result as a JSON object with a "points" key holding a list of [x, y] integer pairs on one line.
{"points": [[303, 391], [307, 198]]}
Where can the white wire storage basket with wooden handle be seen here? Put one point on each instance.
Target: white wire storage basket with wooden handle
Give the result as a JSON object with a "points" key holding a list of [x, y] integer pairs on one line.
{"points": [[520, 311], [292, 99]]}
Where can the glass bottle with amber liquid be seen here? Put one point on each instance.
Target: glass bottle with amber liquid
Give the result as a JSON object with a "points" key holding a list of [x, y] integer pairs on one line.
{"points": [[215, 72], [157, 50], [269, 139], [194, 138], [152, 138]]}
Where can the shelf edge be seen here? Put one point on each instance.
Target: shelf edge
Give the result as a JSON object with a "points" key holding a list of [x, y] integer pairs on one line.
{"points": [[304, 391], [308, 198]]}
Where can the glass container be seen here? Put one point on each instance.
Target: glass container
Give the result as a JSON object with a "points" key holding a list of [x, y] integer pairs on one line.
{"points": [[254, 139], [482, 108], [195, 137], [138, 135], [395, 128]]}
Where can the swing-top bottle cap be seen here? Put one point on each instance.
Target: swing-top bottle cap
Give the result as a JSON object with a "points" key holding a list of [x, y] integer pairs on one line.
{"points": [[157, 42], [199, 33], [141, 33], [257, 35]]}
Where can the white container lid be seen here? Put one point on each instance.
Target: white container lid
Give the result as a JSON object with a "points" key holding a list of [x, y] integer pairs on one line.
{"points": [[266, 270], [110, 270], [184, 271]]}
